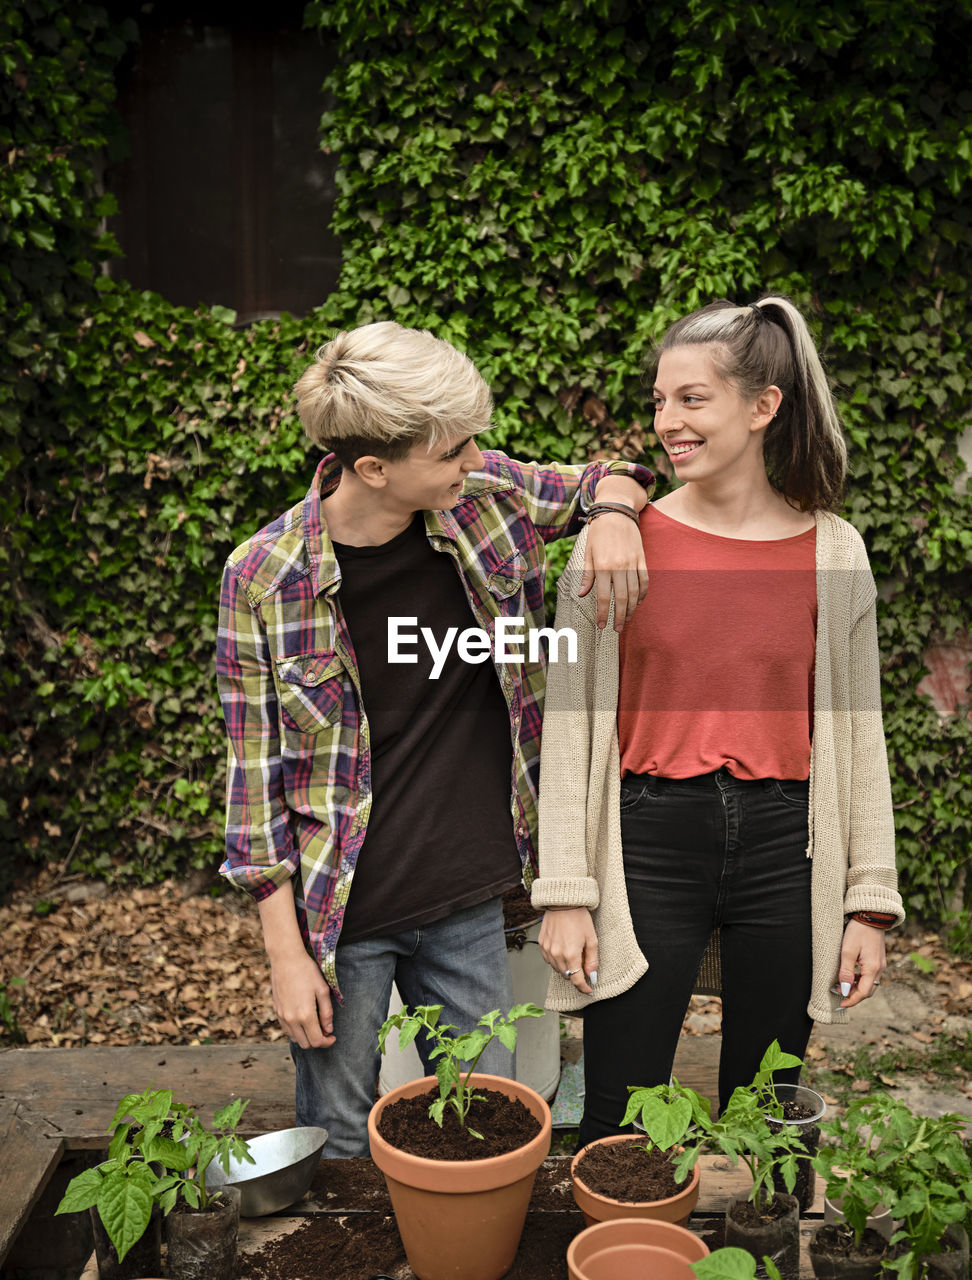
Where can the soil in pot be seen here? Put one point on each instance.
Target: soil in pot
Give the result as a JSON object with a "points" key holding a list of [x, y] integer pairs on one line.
{"points": [[809, 1136], [201, 1243], [626, 1171], [144, 1258], [834, 1255], [505, 1124], [771, 1228]]}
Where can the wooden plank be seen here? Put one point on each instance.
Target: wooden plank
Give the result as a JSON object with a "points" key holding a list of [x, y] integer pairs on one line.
{"points": [[77, 1090], [30, 1156]]}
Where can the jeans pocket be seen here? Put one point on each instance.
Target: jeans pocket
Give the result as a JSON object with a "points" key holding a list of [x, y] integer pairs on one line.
{"points": [[792, 791], [633, 791]]}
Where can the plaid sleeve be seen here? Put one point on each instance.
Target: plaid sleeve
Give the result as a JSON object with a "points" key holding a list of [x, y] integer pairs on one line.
{"points": [[260, 851], [557, 495]]}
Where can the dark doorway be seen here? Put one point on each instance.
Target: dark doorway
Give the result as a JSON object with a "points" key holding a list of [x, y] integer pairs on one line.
{"points": [[225, 195]]}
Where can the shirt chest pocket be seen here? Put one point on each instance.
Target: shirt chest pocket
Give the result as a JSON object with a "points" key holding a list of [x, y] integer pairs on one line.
{"points": [[311, 691], [505, 581]]}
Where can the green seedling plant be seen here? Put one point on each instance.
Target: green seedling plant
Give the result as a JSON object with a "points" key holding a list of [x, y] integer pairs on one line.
{"points": [[732, 1264], [156, 1146], [852, 1159], [671, 1115], [743, 1131], [918, 1167], [455, 1050]]}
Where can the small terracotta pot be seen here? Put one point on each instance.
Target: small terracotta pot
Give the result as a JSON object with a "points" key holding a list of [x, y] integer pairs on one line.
{"points": [[461, 1219], [779, 1238], [635, 1247], [598, 1208]]}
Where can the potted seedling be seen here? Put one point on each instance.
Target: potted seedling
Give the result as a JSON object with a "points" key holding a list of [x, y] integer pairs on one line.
{"points": [[459, 1150], [922, 1173], [120, 1192], [766, 1222], [852, 1242], [653, 1174], [156, 1148], [202, 1222]]}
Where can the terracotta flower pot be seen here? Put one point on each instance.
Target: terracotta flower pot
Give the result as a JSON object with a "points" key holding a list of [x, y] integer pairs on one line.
{"points": [[600, 1208], [635, 1248], [778, 1238], [461, 1219]]}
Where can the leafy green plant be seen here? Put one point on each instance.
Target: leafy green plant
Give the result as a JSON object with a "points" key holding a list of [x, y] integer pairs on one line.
{"points": [[851, 1160], [671, 1115], [917, 1166], [159, 1152], [745, 1131], [732, 1264], [453, 1051]]}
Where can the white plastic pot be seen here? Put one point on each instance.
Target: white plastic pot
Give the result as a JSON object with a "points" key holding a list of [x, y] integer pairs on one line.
{"points": [[537, 1040]]}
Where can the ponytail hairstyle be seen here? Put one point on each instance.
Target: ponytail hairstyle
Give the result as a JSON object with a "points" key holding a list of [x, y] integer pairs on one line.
{"points": [[769, 344]]}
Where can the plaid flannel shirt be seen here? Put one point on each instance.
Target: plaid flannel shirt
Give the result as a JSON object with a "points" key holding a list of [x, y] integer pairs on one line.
{"points": [[299, 758]]}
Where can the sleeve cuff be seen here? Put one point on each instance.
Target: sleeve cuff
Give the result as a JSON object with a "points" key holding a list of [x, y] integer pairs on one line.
{"points": [[873, 898], [566, 891]]}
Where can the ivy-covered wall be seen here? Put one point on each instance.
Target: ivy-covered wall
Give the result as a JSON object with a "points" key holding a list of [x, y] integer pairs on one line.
{"points": [[547, 185]]}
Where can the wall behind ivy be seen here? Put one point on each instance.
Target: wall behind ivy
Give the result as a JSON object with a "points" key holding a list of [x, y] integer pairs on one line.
{"points": [[547, 185]]}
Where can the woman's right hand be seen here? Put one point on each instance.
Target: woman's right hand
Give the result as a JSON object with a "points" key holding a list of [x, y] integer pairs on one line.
{"points": [[568, 943]]}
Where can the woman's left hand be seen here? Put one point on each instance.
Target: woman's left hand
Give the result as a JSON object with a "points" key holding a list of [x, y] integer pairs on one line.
{"points": [[614, 558], [862, 961]]}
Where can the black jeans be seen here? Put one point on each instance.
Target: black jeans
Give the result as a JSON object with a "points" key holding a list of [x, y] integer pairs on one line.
{"points": [[700, 854]]}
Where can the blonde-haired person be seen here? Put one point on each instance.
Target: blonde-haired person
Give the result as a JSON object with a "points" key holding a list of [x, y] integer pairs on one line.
{"points": [[382, 769], [715, 806]]}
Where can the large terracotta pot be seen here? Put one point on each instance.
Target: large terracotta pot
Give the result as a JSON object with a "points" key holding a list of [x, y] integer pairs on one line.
{"points": [[598, 1208], [461, 1219], [635, 1248]]}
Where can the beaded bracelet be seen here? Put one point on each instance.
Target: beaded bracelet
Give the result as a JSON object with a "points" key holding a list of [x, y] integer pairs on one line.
{"points": [[604, 508], [876, 919]]}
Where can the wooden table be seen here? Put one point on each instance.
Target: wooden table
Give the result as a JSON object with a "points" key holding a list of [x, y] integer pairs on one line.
{"points": [[332, 1216]]}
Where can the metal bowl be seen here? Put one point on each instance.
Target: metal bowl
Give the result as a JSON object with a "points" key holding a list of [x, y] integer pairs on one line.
{"points": [[284, 1166]]}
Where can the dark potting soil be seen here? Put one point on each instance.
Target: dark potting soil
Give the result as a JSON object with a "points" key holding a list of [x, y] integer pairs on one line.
{"points": [[837, 1241], [748, 1214], [518, 911], [810, 1139], [626, 1171], [505, 1124]]}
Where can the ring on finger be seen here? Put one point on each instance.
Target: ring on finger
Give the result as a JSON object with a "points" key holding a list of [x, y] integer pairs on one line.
{"points": [[570, 972]]}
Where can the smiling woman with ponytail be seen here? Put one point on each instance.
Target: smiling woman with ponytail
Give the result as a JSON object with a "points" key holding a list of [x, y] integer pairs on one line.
{"points": [[715, 806]]}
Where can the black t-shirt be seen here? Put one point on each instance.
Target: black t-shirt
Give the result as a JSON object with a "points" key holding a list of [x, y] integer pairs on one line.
{"points": [[440, 834]]}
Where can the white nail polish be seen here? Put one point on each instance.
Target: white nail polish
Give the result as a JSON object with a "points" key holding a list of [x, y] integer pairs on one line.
{"points": [[593, 978], [845, 989]]}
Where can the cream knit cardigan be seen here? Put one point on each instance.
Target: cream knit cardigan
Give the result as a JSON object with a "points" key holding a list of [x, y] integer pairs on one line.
{"points": [[851, 827]]}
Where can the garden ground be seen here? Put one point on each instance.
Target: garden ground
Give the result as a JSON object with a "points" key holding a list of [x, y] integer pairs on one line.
{"points": [[83, 963]]}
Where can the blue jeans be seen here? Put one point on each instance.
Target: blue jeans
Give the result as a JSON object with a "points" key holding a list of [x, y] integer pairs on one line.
{"points": [[706, 853], [459, 962]]}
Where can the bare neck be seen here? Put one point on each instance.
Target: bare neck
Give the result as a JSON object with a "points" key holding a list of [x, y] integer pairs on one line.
{"points": [[358, 516], [746, 511]]}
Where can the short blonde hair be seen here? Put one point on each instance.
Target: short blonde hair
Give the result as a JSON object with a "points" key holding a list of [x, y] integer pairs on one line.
{"points": [[384, 388]]}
